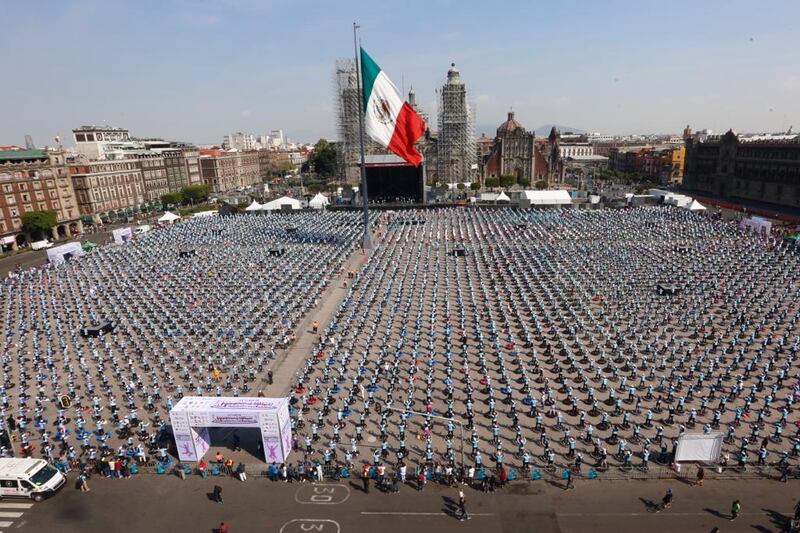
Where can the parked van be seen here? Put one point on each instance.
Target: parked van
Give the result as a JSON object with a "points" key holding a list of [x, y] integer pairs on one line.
{"points": [[41, 245], [29, 478]]}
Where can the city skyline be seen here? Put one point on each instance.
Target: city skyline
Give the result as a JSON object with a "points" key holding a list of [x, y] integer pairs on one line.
{"points": [[195, 71]]}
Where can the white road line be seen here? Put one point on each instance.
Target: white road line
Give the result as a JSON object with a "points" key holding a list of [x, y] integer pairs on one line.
{"points": [[662, 513], [6, 524], [399, 513], [16, 505], [10, 515]]}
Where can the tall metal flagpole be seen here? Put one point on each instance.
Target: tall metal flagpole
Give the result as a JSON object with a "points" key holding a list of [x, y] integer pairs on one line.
{"points": [[364, 198]]}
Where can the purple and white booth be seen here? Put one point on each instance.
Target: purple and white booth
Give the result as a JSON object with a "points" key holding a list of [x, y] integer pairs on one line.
{"points": [[193, 415]]}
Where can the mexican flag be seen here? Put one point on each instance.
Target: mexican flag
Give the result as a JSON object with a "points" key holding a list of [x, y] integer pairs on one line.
{"points": [[387, 117]]}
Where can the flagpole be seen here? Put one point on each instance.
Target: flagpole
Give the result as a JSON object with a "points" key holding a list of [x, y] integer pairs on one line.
{"points": [[367, 244]]}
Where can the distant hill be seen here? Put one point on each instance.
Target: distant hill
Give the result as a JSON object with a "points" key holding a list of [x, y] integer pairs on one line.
{"points": [[541, 131], [544, 131]]}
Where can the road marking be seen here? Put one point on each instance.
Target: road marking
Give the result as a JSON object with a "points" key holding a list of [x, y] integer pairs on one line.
{"points": [[10, 515], [409, 513], [322, 494], [663, 513], [16, 505], [5, 524], [311, 524]]}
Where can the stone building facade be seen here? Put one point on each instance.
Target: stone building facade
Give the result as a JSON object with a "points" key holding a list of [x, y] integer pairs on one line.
{"points": [[105, 186]]}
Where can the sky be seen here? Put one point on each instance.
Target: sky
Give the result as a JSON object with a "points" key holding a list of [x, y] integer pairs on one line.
{"points": [[196, 70]]}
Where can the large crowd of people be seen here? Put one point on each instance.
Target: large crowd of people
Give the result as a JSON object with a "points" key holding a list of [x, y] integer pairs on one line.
{"points": [[500, 338], [558, 339], [96, 351]]}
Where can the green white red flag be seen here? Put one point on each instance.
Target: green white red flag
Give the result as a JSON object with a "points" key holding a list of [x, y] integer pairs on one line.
{"points": [[389, 119]]}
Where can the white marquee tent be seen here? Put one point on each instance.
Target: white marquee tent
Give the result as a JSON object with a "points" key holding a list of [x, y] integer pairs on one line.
{"points": [[556, 197], [65, 252], [168, 218], [319, 201], [276, 205], [255, 206], [695, 206], [502, 197], [703, 447]]}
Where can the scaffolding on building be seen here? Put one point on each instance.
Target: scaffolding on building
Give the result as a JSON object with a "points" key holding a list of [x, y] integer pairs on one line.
{"points": [[347, 101], [457, 150]]}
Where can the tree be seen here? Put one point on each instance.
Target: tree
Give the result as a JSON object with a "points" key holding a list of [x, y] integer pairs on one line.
{"points": [[541, 184], [321, 160], [460, 186], [475, 186], [507, 180], [38, 222], [196, 192], [171, 198], [492, 182], [525, 182]]}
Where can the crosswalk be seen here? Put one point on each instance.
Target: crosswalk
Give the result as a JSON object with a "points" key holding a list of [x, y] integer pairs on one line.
{"points": [[9, 510]]}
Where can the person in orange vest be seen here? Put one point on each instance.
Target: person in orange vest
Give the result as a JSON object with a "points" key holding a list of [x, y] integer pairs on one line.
{"points": [[215, 372], [315, 326]]}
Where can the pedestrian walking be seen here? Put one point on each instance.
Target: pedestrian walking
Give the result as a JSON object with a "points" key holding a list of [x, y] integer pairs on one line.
{"points": [[700, 475], [666, 501], [462, 506], [82, 485], [569, 480], [217, 494], [241, 472], [736, 506], [365, 478]]}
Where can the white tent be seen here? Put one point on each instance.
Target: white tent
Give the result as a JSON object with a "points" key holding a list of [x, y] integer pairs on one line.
{"points": [[122, 235], [255, 206], [168, 218], [319, 201], [704, 447], [695, 206], [65, 252], [502, 197], [488, 196], [276, 205], [556, 197]]}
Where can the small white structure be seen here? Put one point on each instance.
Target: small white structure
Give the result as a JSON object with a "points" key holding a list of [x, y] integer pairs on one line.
{"points": [[698, 447], [122, 235], [502, 197], [758, 225], [554, 197], [255, 206], [277, 205], [487, 196], [203, 214], [65, 252], [695, 206], [319, 201], [168, 218], [193, 415], [141, 230]]}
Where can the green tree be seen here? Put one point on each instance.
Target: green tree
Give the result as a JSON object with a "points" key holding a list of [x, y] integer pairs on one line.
{"points": [[475, 186], [492, 182], [321, 160], [524, 182], [196, 192], [171, 198], [38, 222], [541, 184], [507, 180]]}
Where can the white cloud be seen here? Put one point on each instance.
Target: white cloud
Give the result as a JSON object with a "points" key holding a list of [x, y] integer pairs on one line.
{"points": [[246, 113], [791, 84], [482, 98], [318, 108], [562, 101]]}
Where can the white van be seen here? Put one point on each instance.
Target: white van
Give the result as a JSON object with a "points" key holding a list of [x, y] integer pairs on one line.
{"points": [[29, 478]]}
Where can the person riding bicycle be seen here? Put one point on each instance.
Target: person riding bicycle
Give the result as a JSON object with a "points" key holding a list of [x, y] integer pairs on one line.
{"points": [[666, 501]]}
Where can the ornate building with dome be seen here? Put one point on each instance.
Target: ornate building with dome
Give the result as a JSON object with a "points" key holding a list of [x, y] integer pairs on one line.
{"points": [[516, 152]]}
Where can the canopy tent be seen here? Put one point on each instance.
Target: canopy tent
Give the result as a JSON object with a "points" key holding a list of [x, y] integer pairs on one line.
{"points": [[757, 224], [255, 206], [695, 206], [122, 235], [555, 197], [88, 246], [65, 252], [319, 201], [703, 447], [168, 218], [502, 197], [278, 204]]}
